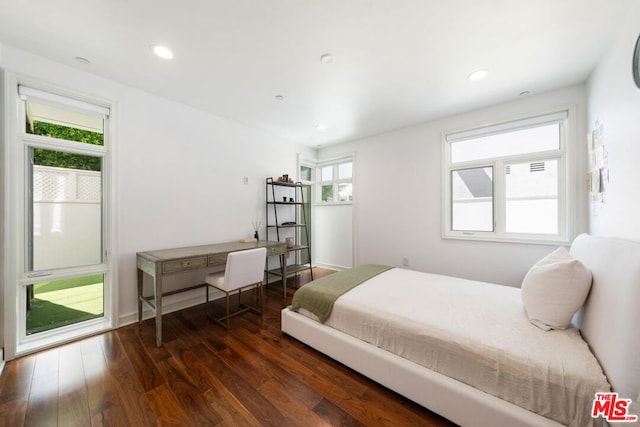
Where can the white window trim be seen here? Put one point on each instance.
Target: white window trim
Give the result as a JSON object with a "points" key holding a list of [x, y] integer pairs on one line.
{"points": [[566, 177], [335, 182], [16, 343]]}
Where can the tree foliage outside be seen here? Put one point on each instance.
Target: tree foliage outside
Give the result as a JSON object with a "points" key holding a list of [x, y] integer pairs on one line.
{"points": [[60, 159], [327, 193]]}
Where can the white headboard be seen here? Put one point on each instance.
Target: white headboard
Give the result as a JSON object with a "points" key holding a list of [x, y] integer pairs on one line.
{"points": [[610, 318]]}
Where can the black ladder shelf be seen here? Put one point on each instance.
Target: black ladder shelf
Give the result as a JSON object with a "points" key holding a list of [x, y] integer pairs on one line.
{"points": [[290, 202]]}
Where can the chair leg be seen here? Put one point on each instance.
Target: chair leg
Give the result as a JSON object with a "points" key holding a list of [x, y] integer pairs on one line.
{"points": [[225, 321], [261, 293], [227, 311], [260, 298]]}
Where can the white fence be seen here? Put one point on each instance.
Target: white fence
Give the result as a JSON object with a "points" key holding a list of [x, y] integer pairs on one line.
{"points": [[67, 217]]}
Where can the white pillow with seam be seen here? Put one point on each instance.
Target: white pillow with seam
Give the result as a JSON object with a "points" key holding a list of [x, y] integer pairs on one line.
{"points": [[554, 289]]}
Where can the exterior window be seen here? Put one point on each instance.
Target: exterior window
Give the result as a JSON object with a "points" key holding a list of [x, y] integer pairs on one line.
{"points": [[305, 173], [532, 193], [472, 199], [327, 193], [56, 122], [336, 182], [65, 287], [508, 182]]}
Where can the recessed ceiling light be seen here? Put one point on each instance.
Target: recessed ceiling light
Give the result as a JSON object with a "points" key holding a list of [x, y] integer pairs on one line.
{"points": [[279, 97], [162, 51], [83, 60], [478, 75], [524, 92], [327, 59], [321, 127]]}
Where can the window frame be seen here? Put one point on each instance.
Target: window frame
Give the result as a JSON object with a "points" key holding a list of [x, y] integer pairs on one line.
{"points": [[18, 275], [565, 117], [335, 182]]}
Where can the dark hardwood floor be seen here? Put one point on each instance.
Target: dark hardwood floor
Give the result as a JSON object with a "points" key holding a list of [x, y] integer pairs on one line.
{"points": [[202, 375]]}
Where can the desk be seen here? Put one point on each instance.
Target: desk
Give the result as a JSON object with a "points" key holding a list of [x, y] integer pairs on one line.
{"points": [[158, 264]]}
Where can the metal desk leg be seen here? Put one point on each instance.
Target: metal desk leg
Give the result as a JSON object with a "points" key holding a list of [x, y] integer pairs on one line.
{"points": [[140, 277], [157, 285]]}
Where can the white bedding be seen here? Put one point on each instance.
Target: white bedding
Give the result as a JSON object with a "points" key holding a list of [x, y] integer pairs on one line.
{"points": [[476, 333]]}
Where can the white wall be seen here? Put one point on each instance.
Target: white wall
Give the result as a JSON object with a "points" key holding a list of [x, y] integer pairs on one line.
{"points": [[333, 236], [397, 196], [615, 102], [179, 171]]}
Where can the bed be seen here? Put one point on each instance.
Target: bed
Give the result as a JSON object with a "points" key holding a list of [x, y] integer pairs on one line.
{"points": [[465, 347]]}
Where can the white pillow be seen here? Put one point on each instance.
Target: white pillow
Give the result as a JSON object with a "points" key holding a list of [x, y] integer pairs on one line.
{"points": [[554, 289]]}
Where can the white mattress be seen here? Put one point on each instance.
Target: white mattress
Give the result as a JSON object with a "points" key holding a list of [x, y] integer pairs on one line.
{"points": [[476, 333]]}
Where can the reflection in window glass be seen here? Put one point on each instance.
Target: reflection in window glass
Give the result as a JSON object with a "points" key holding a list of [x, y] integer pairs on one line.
{"points": [[532, 197], [472, 199]]}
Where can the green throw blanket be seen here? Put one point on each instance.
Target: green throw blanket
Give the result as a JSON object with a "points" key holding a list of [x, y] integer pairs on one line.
{"points": [[318, 296]]}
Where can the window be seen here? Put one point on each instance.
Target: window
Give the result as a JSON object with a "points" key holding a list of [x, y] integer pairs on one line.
{"points": [[472, 199], [64, 287], [508, 181], [305, 173], [335, 181]]}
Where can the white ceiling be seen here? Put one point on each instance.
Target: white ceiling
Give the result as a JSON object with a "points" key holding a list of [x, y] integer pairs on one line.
{"points": [[397, 62]]}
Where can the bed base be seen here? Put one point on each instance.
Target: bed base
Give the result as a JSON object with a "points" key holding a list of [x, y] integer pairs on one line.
{"points": [[456, 401]]}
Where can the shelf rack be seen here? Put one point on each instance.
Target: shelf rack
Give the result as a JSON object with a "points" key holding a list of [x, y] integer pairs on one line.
{"points": [[293, 203]]}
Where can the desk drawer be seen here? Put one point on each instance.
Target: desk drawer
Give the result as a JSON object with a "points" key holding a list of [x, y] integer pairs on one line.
{"points": [[217, 259], [277, 250], [184, 264]]}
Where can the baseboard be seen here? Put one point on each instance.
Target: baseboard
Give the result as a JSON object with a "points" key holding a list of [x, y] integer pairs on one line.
{"points": [[130, 318], [332, 267]]}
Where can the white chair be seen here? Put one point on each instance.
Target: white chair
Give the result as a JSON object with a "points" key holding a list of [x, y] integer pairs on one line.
{"points": [[244, 269]]}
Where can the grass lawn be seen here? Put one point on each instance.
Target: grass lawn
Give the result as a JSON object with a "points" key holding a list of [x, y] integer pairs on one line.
{"points": [[64, 302]]}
